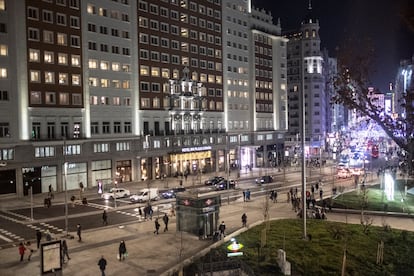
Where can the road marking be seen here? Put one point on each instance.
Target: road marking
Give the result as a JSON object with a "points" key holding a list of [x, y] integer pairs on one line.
{"points": [[5, 238]]}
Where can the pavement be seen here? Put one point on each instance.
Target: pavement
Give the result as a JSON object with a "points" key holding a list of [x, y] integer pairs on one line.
{"points": [[166, 253]]}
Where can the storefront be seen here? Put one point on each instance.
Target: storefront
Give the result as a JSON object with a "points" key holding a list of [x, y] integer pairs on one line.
{"points": [[8, 182], [192, 161], [39, 179]]}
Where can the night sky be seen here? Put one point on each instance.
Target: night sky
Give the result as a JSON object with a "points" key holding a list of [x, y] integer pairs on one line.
{"points": [[379, 20]]}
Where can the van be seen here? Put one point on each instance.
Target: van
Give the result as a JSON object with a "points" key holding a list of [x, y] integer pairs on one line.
{"points": [[145, 195]]}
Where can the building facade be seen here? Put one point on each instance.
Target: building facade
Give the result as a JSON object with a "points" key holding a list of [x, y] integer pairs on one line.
{"points": [[108, 92]]}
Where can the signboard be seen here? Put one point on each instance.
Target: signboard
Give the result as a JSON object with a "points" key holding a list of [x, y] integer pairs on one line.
{"points": [[51, 257], [234, 248]]}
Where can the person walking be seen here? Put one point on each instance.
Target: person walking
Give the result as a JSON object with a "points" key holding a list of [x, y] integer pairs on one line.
{"points": [[29, 249], [157, 226], [65, 252], [22, 249], [165, 219], [244, 220], [38, 237], [321, 193], [122, 251], [79, 232], [102, 265], [104, 218], [222, 228]]}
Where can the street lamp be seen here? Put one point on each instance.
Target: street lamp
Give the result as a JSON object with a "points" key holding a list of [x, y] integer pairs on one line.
{"points": [[65, 164]]}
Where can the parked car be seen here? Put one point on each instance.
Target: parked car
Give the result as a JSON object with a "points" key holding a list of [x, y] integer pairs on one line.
{"points": [[213, 180], [145, 195], [172, 193], [116, 193], [264, 179], [222, 185]]}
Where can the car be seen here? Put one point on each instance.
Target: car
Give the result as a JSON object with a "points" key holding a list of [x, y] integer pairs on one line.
{"points": [[222, 185], [264, 179], [145, 195], [213, 180], [116, 193], [172, 193]]}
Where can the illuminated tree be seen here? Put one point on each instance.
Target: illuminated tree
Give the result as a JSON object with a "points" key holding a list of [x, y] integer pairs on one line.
{"points": [[352, 83]]}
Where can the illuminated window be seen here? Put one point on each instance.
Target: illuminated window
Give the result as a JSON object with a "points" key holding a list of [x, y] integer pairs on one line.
{"points": [[165, 73], [3, 73], [144, 70], [116, 84], [125, 84], [93, 64], [104, 83], [2, 5], [63, 78], [49, 77], [75, 60], [93, 82], [3, 49], [62, 39], [116, 66], [76, 79], [34, 76], [155, 71], [104, 65], [62, 59], [34, 55], [91, 9], [48, 57]]}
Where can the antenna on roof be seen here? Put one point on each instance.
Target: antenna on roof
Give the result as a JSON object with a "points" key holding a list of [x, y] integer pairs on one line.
{"points": [[310, 5]]}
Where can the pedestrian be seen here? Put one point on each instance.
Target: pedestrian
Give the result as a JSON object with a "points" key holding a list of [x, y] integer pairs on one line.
{"points": [[122, 250], [104, 218], [50, 191], [102, 265], [157, 226], [29, 249], [21, 251], [48, 235], [244, 195], [321, 193], [275, 197], [79, 231], [244, 220], [140, 211], [222, 228], [65, 252], [165, 219], [38, 237]]}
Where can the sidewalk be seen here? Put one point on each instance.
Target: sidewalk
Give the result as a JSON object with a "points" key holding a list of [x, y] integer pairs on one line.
{"points": [[161, 254]]}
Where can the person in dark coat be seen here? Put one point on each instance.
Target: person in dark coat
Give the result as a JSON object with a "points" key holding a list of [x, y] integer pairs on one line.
{"points": [[22, 249], [122, 250], [244, 220], [38, 237], [104, 218], [102, 265], [79, 231], [65, 252], [157, 226], [165, 219], [222, 228]]}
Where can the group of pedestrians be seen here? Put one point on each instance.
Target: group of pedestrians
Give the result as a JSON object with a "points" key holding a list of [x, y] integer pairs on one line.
{"points": [[165, 219], [23, 248]]}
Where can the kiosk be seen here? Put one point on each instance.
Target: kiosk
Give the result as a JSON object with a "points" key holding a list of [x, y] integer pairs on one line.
{"points": [[198, 213]]}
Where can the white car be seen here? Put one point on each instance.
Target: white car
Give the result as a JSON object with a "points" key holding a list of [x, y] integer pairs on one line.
{"points": [[116, 193]]}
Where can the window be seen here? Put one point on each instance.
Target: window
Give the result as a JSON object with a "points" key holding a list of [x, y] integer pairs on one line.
{"points": [[51, 133], [104, 83], [75, 41], [3, 49], [63, 78], [6, 154], [49, 77], [47, 16], [62, 59], [104, 65], [50, 98], [34, 76], [127, 127], [61, 19], [91, 9], [48, 37], [35, 130], [76, 79], [94, 128], [32, 13], [101, 147], [33, 34], [34, 55], [76, 99], [74, 4], [44, 152], [72, 150], [4, 129], [117, 127], [145, 86], [116, 66], [106, 127], [35, 97], [75, 60], [123, 146], [63, 98], [74, 22], [4, 95], [61, 39], [48, 57]]}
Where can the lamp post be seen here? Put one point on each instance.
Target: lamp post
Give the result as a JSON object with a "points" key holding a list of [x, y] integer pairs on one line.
{"points": [[65, 164]]}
